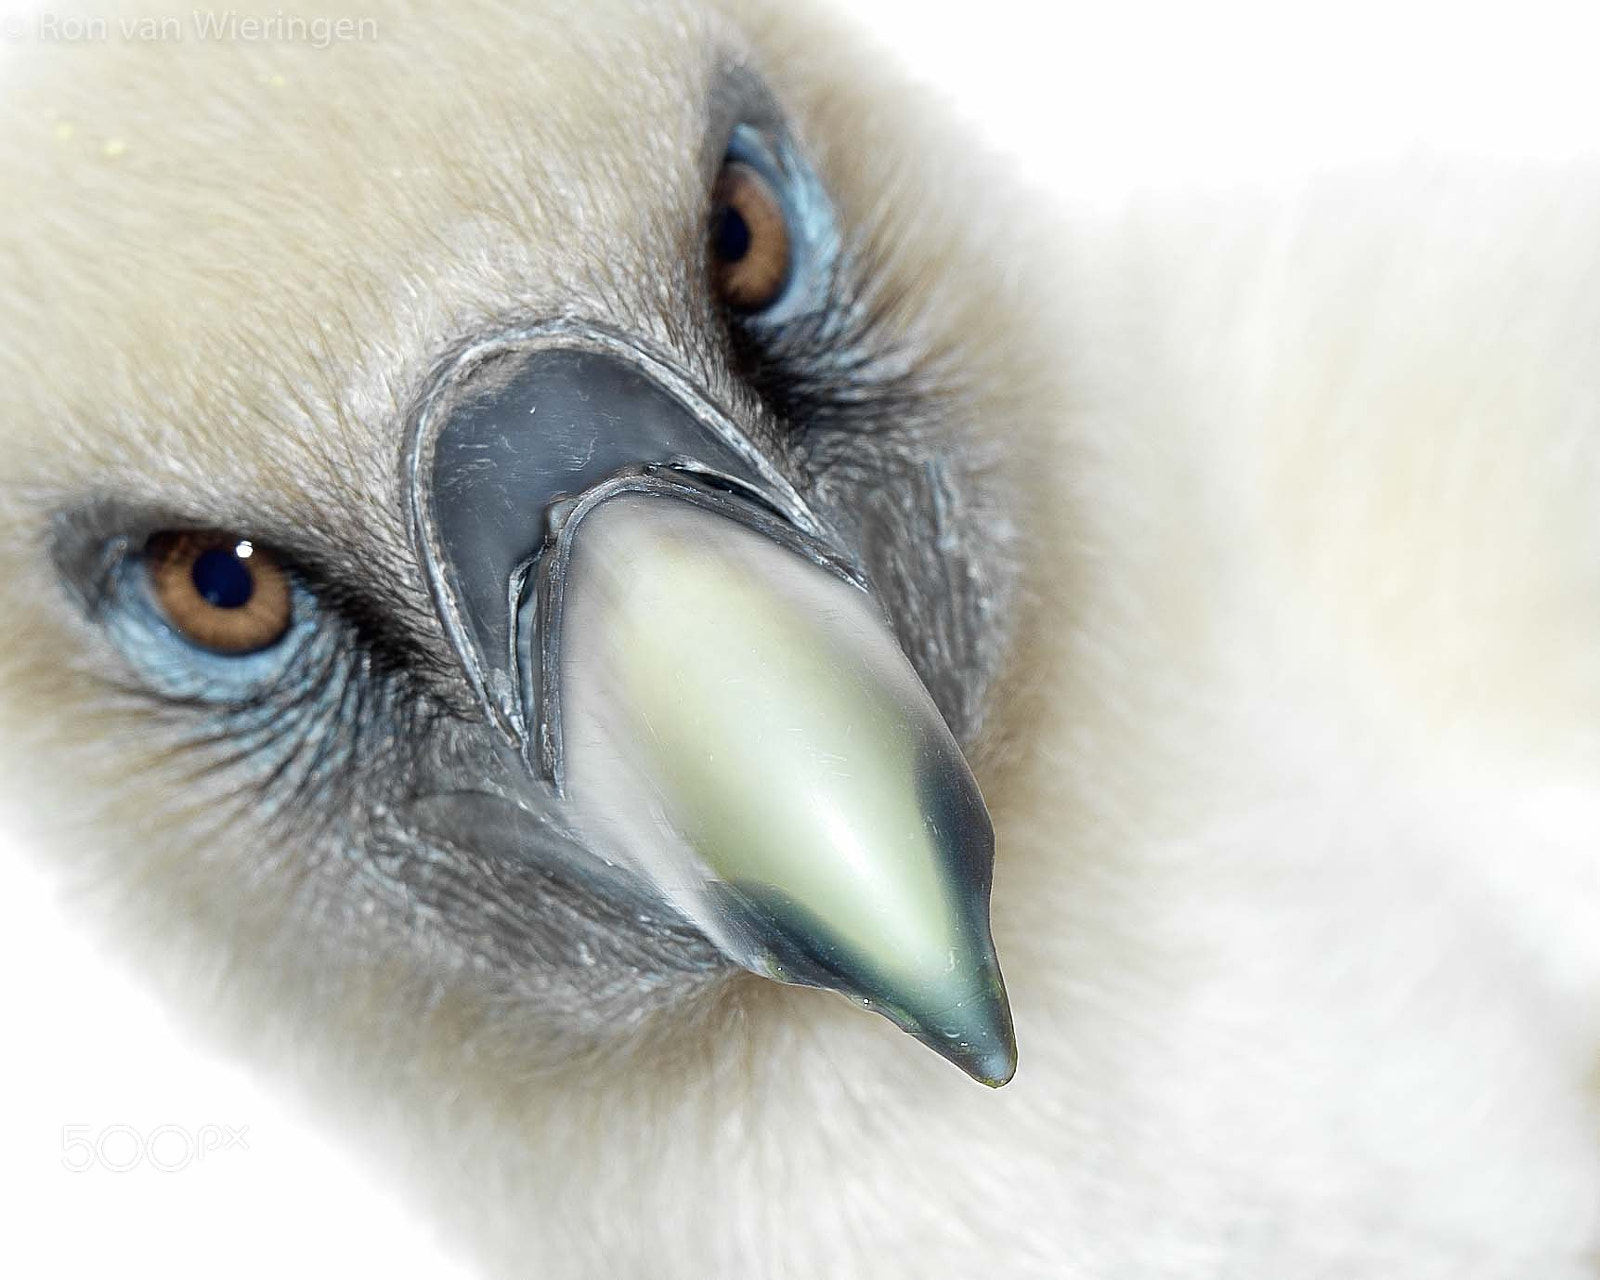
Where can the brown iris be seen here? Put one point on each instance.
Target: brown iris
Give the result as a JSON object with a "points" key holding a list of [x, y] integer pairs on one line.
{"points": [[220, 591], [749, 239]]}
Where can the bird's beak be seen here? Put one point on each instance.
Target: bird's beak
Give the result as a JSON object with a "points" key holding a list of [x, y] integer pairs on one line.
{"points": [[675, 648]]}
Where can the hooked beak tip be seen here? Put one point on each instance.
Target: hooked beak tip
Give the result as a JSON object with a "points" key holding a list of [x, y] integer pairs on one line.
{"points": [[975, 1034], [991, 1059]]}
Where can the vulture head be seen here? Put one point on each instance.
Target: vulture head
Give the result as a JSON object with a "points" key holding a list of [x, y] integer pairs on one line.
{"points": [[515, 527], [557, 559]]}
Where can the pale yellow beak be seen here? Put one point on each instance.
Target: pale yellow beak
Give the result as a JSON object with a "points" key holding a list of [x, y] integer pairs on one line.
{"points": [[741, 729]]}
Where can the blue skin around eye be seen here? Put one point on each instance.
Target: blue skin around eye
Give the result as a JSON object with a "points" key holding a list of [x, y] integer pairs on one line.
{"points": [[813, 232], [222, 579]]}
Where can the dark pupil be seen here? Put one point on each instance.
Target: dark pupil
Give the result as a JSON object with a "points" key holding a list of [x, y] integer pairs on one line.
{"points": [[222, 579], [730, 235]]}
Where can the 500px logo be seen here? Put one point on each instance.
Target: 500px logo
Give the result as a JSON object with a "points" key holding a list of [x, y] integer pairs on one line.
{"points": [[169, 1148]]}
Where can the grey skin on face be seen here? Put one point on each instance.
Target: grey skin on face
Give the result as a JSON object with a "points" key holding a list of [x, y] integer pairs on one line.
{"points": [[671, 642]]}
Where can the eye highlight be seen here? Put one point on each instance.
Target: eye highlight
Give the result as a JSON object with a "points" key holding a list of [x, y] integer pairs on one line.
{"points": [[750, 247], [220, 592]]}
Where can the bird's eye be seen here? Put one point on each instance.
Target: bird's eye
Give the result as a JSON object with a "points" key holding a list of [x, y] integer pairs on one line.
{"points": [[219, 592], [750, 241]]}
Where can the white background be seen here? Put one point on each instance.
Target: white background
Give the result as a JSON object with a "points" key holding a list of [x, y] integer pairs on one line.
{"points": [[1095, 99]]}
